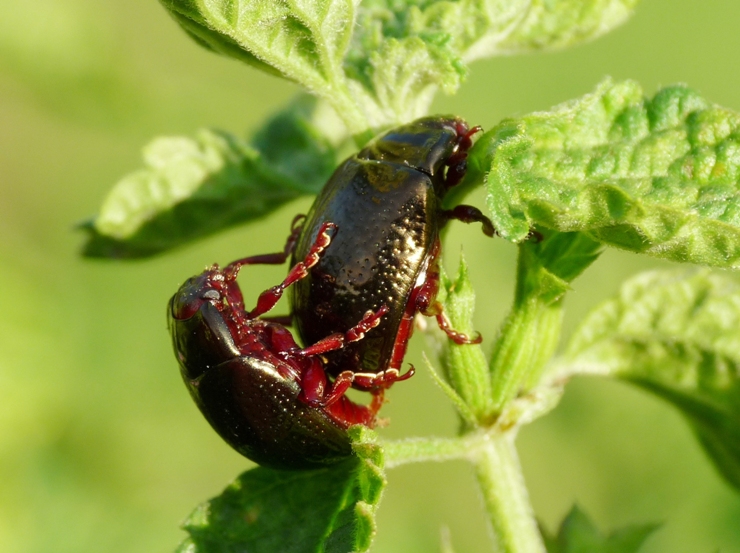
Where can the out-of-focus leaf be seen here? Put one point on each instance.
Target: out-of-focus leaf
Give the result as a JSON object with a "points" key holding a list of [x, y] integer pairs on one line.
{"points": [[330, 510], [656, 176], [577, 534], [676, 334], [549, 25], [191, 188]]}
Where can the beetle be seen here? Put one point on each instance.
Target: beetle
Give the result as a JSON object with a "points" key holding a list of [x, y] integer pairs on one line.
{"points": [[386, 201], [266, 396]]}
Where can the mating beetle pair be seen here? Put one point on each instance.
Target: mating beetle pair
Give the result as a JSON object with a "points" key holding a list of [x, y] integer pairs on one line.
{"points": [[364, 263]]}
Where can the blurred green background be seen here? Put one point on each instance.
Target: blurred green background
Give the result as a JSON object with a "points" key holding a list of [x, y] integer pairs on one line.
{"points": [[101, 449]]}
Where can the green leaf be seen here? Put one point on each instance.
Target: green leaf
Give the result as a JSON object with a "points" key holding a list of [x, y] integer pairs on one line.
{"points": [[380, 63], [193, 187], [395, 80], [674, 333], [404, 51], [577, 534], [548, 25], [656, 176], [330, 510], [302, 40], [476, 29], [554, 260]]}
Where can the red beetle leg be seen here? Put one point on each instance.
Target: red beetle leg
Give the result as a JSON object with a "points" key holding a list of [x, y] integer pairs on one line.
{"points": [[231, 271], [457, 163], [381, 380], [427, 304], [269, 298], [406, 326], [316, 390], [333, 400], [336, 341], [470, 214], [346, 412], [280, 338], [458, 337]]}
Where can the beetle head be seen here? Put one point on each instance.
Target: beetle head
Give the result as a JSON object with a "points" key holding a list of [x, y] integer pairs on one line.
{"points": [[425, 144], [195, 292]]}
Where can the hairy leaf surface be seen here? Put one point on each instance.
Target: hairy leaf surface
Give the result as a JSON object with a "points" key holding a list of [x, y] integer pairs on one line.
{"points": [[657, 176], [329, 510]]}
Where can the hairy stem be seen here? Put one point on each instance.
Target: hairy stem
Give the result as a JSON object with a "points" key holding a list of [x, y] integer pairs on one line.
{"points": [[505, 496], [501, 482], [530, 333], [419, 450]]}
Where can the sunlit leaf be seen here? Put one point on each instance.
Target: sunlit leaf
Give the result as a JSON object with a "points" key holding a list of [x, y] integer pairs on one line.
{"points": [[676, 334], [656, 176], [302, 40], [380, 62], [193, 187]]}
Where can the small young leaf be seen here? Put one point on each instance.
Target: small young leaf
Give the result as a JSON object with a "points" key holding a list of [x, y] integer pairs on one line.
{"points": [[191, 188], [403, 51], [464, 365], [577, 534], [396, 81], [330, 510], [674, 333], [657, 176]]}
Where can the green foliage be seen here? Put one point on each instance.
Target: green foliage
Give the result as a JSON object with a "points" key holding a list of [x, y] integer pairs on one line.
{"points": [[191, 188], [329, 510], [577, 534], [674, 333], [554, 25], [401, 51], [655, 176]]}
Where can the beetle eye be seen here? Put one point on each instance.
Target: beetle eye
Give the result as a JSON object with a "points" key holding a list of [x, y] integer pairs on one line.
{"points": [[211, 295]]}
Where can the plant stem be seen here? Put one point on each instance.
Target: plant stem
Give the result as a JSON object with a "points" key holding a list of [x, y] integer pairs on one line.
{"points": [[530, 333], [505, 496], [527, 340], [419, 450], [500, 478]]}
